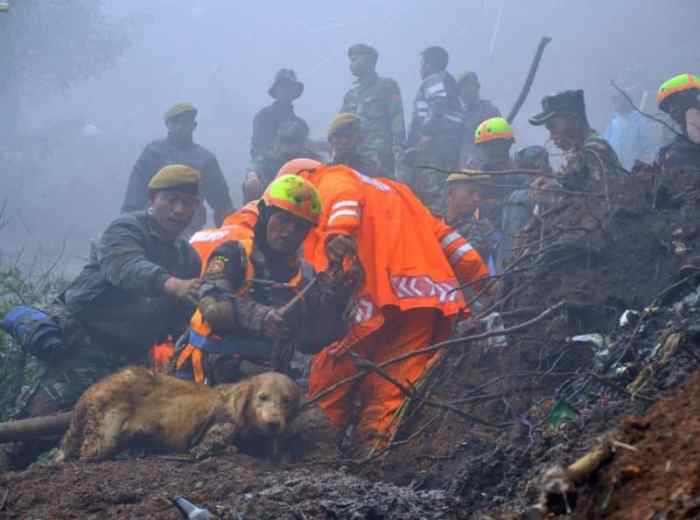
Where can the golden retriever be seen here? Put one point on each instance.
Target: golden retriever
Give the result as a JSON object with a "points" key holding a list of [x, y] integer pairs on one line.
{"points": [[176, 415]]}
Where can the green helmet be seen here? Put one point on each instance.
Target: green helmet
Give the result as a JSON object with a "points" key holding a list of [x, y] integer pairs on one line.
{"points": [[295, 195], [492, 129], [679, 83]]}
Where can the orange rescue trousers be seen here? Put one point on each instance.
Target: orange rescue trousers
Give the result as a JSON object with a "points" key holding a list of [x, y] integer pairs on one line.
{"points": [[401, 333]]}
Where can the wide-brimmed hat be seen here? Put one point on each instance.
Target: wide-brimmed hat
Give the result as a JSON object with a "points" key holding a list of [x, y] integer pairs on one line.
{"points": [[568, 102], [287, 75]]}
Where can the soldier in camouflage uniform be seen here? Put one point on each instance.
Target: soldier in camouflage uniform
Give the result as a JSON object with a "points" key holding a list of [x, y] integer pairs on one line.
{"points": [[377, 101], [291, 143], [435, 137], [590, 160], [179, 148], [475, 110], [345, 138], [135, 291], [463, 201], [284, 90]]}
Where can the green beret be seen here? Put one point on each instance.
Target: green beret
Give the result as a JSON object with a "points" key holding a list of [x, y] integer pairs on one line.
{"points": [[177, 177], [342, 121], [180, 108]]}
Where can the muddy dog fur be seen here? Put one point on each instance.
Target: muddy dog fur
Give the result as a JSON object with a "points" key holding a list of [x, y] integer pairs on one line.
{"points": [[175, 415]]}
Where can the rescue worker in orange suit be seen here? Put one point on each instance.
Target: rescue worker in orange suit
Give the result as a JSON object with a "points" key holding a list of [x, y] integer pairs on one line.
{"points": [[414, 264], [250, 272]]}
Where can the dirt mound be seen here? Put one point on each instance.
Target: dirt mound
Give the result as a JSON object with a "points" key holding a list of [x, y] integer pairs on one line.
{"points": [[662, 478]]}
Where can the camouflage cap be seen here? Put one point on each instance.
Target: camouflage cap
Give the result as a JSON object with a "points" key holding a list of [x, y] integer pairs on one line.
{"points": [[568, 102], [179, 108], [362, 48], [286, 76]]}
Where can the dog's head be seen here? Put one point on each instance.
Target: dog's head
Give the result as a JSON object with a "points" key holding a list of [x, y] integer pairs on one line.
{"points": [[265, 403]]}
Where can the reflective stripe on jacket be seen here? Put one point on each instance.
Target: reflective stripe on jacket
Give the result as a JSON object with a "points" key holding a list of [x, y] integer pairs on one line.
{"points": [[409, 256]]}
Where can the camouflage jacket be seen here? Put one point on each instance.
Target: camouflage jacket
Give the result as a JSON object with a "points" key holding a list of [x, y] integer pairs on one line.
{"points": [[473, 117], [268, 166], [161, 153], [481, 233], [118, 298], [265, 126], [680, 154], [590, 164], [377, 101], [437, 109]]}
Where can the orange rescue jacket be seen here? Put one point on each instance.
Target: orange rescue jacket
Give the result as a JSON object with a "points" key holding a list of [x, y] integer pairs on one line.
{"points": [[409, 256]]}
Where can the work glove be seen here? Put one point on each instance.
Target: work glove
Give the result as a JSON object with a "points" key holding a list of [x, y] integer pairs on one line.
{"points": [[274, 326], [185, 290], [338, 247]]}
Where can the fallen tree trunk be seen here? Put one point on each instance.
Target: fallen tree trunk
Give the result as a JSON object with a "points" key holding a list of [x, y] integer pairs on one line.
{"points": [[34, 427]]}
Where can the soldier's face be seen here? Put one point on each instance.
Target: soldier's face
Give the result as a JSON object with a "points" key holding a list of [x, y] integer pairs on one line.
{"points": [[344, 143], [181, 128], [469, 91], [495, 150], [286, 91], [562, 132], [464, 197], [361, 64], [425, 68], [285, 232], [173, 210]]}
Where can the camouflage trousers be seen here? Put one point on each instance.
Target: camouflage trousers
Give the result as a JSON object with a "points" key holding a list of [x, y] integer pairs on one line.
{"points": [[59, 385]]}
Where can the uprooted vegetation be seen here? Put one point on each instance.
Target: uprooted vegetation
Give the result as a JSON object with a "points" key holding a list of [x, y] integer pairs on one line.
{"points": [[611, 331]]}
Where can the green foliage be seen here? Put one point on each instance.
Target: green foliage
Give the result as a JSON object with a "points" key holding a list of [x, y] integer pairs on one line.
{"points": [[19, 371]]}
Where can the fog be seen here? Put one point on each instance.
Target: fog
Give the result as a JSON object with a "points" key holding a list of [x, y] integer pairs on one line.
{"points": [[221, 55]]}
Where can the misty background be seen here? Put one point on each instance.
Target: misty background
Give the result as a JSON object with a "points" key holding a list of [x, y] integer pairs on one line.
{"points": [[68, 146]]}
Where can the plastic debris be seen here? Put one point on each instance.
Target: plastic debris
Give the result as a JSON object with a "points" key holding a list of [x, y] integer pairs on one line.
{"points": [[629, 317], [190, 511], [596, 339]]}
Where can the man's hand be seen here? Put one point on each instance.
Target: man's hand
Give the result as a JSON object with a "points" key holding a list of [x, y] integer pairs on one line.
{"points": [[252, 186], [274, 326], [185, 290], [339, 247]]}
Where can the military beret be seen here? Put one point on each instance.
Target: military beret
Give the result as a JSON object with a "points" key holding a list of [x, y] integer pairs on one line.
{"points": [[362, 48], [467, 176], [179, 108], [341, 121], [177, 177]]}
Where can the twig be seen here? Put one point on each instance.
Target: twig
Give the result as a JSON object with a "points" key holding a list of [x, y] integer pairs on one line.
{"points": [[4, 498], [495, 173], [364, 363], [437, 346], [620, 389], [645, 114]]}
